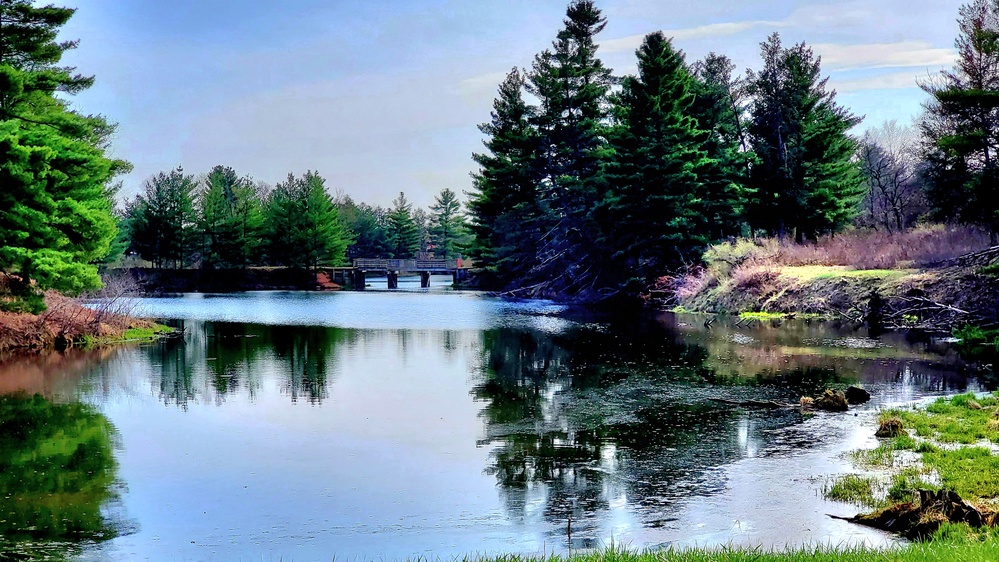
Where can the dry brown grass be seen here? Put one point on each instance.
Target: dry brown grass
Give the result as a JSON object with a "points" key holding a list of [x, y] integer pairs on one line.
{"points": [[64, 323], [869, 249], [832, 275]]}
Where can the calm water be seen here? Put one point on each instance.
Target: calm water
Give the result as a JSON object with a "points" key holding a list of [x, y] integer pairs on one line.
{"points": [[385, 425]]}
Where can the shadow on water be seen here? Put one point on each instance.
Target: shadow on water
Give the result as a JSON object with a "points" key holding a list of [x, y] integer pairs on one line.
{"points": [[57, 476]]}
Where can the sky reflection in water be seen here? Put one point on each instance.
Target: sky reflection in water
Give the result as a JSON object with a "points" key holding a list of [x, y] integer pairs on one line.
{"points": [[391, 425]]}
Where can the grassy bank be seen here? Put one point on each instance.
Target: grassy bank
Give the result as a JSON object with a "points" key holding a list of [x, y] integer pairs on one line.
{"points": [[919, 274], [951, 444]]}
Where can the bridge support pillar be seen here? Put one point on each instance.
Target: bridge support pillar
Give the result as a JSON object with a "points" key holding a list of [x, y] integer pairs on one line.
{"points": [[359, 280], [393, 279], [424, 279]]}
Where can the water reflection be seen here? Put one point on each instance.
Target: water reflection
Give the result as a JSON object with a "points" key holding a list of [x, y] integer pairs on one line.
{"points": [[497, 429], [57, 474], [599, 416]]}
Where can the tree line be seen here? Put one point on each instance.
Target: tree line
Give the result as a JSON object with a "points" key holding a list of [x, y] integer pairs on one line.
{"points": [[591, 183], [226, 221]]}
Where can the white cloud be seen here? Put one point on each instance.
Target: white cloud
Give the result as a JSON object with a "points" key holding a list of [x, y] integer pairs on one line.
{"points": [[632, 42], [883, 55], [893, 81]]}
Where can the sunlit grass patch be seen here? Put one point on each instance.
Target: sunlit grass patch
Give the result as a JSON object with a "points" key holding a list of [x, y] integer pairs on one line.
{"points": [[953, 546], [964, 419], [812, 272]]}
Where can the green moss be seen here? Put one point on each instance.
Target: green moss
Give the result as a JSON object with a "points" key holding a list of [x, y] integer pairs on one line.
{"points": [[762, 316]]}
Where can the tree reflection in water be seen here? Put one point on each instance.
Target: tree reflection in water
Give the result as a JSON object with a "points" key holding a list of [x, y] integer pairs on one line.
{"points": [[227, 356], [57, 477], [590, 417]]}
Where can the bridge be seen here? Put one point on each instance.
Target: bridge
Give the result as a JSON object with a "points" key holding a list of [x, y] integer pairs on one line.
{"points": [[392, 268]]}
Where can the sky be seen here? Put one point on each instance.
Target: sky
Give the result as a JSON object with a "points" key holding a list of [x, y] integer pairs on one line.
{"points": [[382, 97]]}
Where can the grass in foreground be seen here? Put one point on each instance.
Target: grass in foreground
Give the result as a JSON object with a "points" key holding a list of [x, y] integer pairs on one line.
{"points": [[959, 547]]}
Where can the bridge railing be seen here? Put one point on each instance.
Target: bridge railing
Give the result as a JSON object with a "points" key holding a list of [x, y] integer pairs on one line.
{"points": [[407, 265]]}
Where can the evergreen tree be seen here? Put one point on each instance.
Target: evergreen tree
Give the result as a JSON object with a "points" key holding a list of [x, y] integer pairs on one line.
{"points": [[230, 220], [367, 228], [507, 215], [447, 229], [654, 213], [571, 85], [302, 224], [163, 219], [805, 178], [961, 126], [718, 108], [55, 203], [403, 232]]}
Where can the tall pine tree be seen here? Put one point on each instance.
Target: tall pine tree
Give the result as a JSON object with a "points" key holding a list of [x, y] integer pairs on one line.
{"points": [[571, 85], [654, 213], [507, 216], [806, 179], [56, 216]]}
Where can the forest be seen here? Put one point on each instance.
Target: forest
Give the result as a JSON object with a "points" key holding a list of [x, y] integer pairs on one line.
{"points": [[590, 185]]}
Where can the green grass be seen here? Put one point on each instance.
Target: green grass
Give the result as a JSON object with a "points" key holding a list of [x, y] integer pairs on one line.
{"points": [[948, 431], [963, 419], [854, 489], [812, 272], [959, 548], [131, 334]]}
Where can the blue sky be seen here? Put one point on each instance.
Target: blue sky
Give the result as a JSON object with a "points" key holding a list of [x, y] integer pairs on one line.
{"points": [[384, 96]]}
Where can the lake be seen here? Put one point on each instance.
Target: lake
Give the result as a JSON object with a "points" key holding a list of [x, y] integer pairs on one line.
{"points": [[393, 424]]}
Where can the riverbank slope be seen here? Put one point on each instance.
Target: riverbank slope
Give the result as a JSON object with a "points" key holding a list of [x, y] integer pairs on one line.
{"points": [[932, 278], [64, 323]]}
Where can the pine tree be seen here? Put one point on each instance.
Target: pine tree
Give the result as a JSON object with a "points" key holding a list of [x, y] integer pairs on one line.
{"points": [[56, 206], [961, 126], [367, 229], [505, 206], [230, 220], [447, 224], [403, 232], [805, 177], [163, 219], [653, 213], [571, 85], [718, 108], [303, 229]]}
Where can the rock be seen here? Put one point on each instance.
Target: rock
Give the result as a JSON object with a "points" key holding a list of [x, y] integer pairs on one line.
{"points": [[891, 427], [856, 395], [832, 401]]}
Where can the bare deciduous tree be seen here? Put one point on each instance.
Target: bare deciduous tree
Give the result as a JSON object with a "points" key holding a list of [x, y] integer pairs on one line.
{"points": [[889, 157]]}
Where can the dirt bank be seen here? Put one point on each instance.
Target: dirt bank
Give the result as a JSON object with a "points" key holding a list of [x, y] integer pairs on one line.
{"points": [[63, 324], [767, 277]]}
